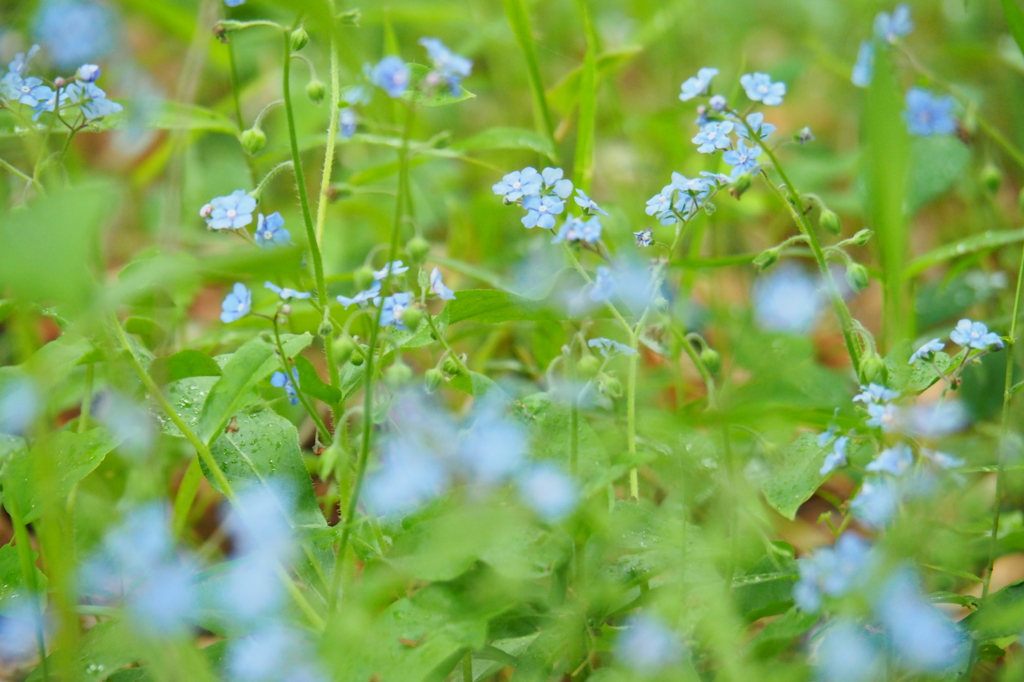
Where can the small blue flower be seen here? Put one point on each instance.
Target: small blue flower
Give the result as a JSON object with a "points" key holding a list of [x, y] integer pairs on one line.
{"points": [[697, 85], [519, 184], [49, 104], [347, 121], [92, 101], [647, 645], [895, 460], [847, 654], [541, 211], [715, 179], [928, 115], [927, 350], [494, 447], [30, 91], [697, 187], [743, 159], [832, 571], [864, 69], [394, 307], [237, 304], [88, 73], [604, 285], [19, 64], [234, 3], [288, 383], [438, 288], [391, 75], [876, 502], [232, 212], [975, 335], [714, 136], [836, 458], [588, 204], [577, 230], [410, 475], [759, 88], [19, 627], [450, 67], [875, 393], [131, 424], [942, 459], [787, 299], [553, 182], [273, 652], [548, 491], [660, 206], [393, 268], [610, 348], [644, 237], [285, 293], [75, 31], [718, 103], [20, 402], [890, 27], [363, 297], [761, 129], [270, 232], [882, 416]]}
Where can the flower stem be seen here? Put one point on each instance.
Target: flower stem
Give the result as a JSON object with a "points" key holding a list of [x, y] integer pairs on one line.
{"points": [[289, 368]]}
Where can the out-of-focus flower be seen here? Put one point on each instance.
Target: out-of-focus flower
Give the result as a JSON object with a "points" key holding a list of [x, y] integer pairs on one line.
{"points": [[882, 416], [895, 460], [548, 491], [288, 383], [494, 447], [877, 501], [410, 475], [130, 424], [285, 293], [609, 348], [237, 304], [273, 653], [890, 27], [588, 204], [348, 121], [578, 230], [449, 67], [394, 307], [75, 31], [933, 420], [836, 458], [20, 625], [391, 269], [363, 297], [845, 653], [942, 459], [787, 299], [759, 88], [20, 403], [647, 645], [694, 86], [270, 231], [875, 393], [928, 115], [832, 571], [391, 75], [438, 288], [864, 68]]}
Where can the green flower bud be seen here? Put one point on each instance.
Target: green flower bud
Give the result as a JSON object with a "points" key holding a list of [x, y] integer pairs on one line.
{"points": [[711, 359], [344, 347], [411, 318], [766, 259], [660, 304], [417, 248], [740, 185], [299, 39], [873, 369], [253, 141], [397, 374], [857, 277], [862, 237], [316, 91], [991, 178], [611, 386], [363, 277], [830, 221], [433, 378], [358, 359], [588, 367], [451, 366]]}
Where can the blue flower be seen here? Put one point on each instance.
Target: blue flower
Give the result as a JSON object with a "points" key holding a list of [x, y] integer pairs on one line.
{"points": [[553, 182], [232, 212], [695, 86], [756, 122], [927, 350], [895, 460], [875, 393], [836, 458], [604, 285], [714, 136], [588, 204], [391, 75], [75, 31], [759, 88], [715, 179], [237, 304], [882, 416], [928, 115], [130, 424], [285, 293], [644, 237], [718, 103], [743, 159], [288, 383], [494, 447], [20, 402], [647, 646], [391, 269], [847, 654], [92, 101], [394, 307], [787, 299], [30, 91], [541, 211], [660, 206], [20, 625], [519, 184], [167, 600], [450, 67], [234, 3], [890, 27], [438, 288], [975, 335], [347, 121], [258, 519], [832, 571], [19, 64], [273, 652], [610, 348], [577, 230], [876, 502], [50, 103], [548, 491], [410, 475], [942, 459], [270, 232], [88, 73], [696, 187], [363, 297], [864, 69]]}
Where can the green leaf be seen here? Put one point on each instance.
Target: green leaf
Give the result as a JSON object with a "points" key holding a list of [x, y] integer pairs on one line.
{"points": [[977, 243], [183, 365], [249, 365], [441, 95], [178, 116], [310, 383], [519, 22], [106, 648], [796, 480], [938, 162], [508, 138], [778, 635], [550, 429], [1014, 21], [913, 379], [490, 306], [586, 126], [12, 582], [766, 589], [475, 384], [151, 332], [1000, 615]]}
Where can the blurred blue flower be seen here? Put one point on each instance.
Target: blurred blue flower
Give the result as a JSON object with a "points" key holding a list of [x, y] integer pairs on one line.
{"points": [[273, 653], [75, 31], [547, 490], [410, 476], [875, 393], [234, 3], [845, 653], [253, 590], [438, 288], [237, 304], [718, 103], [942, 459], [927, 350], [391, 75], [258, 520], [604, 285], [390, 269], [890, 27], [519, 184], [19, 65], [787, 299], [864, 68], [756, 122], [876, 502], [743, 159], [347, 122], [836, 458], [895, 460], [20, 625], [167, 600], [541, 211], [644, 237], [577, 230], [553, 182], [88, 73], [609, 348], [494, 447], [759, 88], [130, 423], [20, 403], [714, 136], [232, 212], [450, 67], [882, 416], [288, 383], [270, 231], [394, 307], [975, 335], [363, 297], [928, 115], [588, 204], [832, 571], [285, 293], [924, 638], [934, 420], [92, 101], [49, 104], [694, 86], [647, 645]]}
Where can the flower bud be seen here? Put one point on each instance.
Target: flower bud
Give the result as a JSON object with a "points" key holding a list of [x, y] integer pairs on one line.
{"points": [[862, 237], [991, 178], [363, 277], [611, 386], [358, 359], [88, 73], [740, 185], [397, 374], [766, 259], [873, 369], [417, 248], [315, 90], [286, 309], [299, 39], [253, 141], [588, 367], [660, 304], [717, 103], [804, 135], [451, 366], [411, 318], [857, 277], [711, 359], [433, 378], [326, 328], [830, 221], [344, 347]]}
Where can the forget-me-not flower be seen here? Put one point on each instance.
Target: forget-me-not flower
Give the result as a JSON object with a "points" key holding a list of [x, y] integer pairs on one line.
{"points": [[882, 416], [541, 211], [495, 446], [890, 27], [548, 491], [836, 458], [391, 74], [694, 86], [347, 122], [759, 88], [927, 350], [438, 288], [450, 67], [876, 502], [787, 299], [660, 206], [20, 402], [88, 73], [588, 204], [519, 184], [75, 31], [941, 459], [285, 293], [131, 424], [578, 230], [237, 304], [647, 645], [832, 571], [644, 237], [847, 654], [394, 307], [875, 393], [554, 182], [234, 3], [410, 475], [610, 348], [270, 231], [864, 68], [30, 91], [895, 460], [714, 136], [928, 115], [363, 297], [975, 335], [756, 122], [19, 627], [50, 104], [288, 383], [92, 101], [743, 159], [232, 212], [393, 268], [604, 285]]}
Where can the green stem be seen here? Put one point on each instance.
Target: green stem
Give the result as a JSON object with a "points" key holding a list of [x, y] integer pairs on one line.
{"points": [[634, 361], [290, 372], [83, 418], [444, 342], [14, 170], [467, 667], [28, 574]]}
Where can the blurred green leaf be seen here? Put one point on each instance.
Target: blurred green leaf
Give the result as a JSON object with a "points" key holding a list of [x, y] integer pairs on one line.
{"points": [[183, 365], [508, 138], [1014, 21], [1000, 615], [796, 480], [938, 162], [12, 581], [566, 94], [586, 125], [519, 22], [151, 332], [976, 243], [106, 648], [177, 116], [780, 634], [490, 306], [311, 383], [767, 588]]}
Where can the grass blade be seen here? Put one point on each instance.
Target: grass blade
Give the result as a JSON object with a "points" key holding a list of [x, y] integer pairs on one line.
{"points": [[519, 20], [583, 167]]}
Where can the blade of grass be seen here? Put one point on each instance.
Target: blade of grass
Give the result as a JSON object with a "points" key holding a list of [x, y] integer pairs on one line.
{"points": [[583, 167], [1015, 21], [519, 20]]}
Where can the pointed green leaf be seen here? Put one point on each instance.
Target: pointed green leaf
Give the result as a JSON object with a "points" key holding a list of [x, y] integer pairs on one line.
{"points": [[310, 383], [184, 365], [797, 478]]}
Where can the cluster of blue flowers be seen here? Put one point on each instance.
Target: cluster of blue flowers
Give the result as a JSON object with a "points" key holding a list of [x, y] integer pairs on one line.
{"points": [[81, 91], [543, 195]]}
